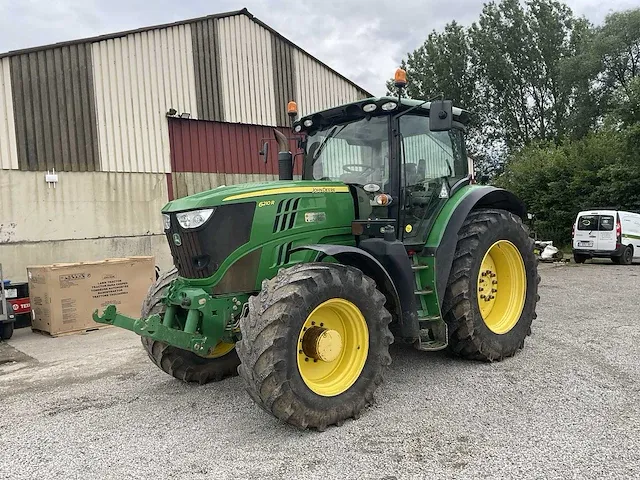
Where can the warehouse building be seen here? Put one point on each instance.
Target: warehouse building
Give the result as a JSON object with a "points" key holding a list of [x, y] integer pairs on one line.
{"points": [[96, 135]]}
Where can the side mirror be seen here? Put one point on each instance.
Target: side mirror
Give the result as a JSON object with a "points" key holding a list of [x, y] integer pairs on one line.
{"points": [[441, 116], [265, 151]]}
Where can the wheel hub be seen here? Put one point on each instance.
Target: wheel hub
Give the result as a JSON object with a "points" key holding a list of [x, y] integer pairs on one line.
{"points": [[322, 344]]}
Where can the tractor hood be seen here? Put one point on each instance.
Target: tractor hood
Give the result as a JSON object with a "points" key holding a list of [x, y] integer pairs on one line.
{"points": [[251, 192]]}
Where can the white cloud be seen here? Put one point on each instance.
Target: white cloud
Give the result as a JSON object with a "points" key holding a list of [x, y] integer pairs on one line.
{"points": [[362, 39]]}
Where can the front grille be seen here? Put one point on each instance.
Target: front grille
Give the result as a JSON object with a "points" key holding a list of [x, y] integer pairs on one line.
{"points": [[198, 253]]}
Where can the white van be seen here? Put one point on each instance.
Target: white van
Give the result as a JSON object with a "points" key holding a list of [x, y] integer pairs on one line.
{"points": [[607, 233]]}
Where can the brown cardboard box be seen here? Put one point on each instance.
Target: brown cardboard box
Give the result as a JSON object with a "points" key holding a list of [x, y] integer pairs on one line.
{"points": [[64, 296]]}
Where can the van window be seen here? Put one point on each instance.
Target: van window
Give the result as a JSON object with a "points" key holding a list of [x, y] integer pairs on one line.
{"points": [[606, 223], [603, 223], [588, 222]]}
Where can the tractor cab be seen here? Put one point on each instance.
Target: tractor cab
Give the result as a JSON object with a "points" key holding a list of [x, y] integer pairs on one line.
{"points": [[400, 170]]}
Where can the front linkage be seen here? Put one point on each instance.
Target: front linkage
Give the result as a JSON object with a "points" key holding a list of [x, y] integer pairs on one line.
{"points": [[189, 311]]}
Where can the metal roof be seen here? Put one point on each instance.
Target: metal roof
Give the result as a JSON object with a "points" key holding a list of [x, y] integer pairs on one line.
{"points": [[109, 36]]}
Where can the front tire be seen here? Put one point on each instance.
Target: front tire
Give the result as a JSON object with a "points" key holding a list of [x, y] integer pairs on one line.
{"points": [[491, 296], [315, 344], [179, 363]]}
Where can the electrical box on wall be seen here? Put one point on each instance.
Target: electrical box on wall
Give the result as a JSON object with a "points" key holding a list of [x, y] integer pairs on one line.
{"points": [[51, 178]]}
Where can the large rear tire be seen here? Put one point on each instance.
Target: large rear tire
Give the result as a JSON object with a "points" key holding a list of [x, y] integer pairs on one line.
{"points": [[315, 344], [491, 296], [182, 364], [626, 258]]}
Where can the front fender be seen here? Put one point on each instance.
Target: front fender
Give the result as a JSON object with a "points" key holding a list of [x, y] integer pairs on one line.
{"points": [[367, 263], [442, 241]]}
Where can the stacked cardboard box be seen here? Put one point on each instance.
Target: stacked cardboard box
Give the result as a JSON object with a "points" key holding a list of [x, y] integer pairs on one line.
{"points": [[64, 296]]}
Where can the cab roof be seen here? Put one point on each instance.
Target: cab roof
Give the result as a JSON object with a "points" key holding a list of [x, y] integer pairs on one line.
{"points": [[354, 110]]}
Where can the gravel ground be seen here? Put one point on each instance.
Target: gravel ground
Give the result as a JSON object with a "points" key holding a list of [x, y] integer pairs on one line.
{"points": [[568, 406]]}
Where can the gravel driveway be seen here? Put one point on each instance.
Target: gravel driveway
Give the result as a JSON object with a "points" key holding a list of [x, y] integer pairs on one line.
{"points": [[568, 406]]}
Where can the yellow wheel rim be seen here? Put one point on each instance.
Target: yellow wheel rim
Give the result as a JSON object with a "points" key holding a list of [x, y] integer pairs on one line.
{"points": [[502, 286], [332, 347], [221, 349]]}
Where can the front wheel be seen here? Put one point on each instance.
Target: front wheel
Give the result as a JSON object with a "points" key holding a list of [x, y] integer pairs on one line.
{"points": [[315, 344], [182, 364], [491, 296]]}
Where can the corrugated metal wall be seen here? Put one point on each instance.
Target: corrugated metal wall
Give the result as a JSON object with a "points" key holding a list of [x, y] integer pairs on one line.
{"points": [[8, 149], [284, 77], [138, 78], [246, 71], [318, 88], [206, 60], [216, 147], [54, 109]]}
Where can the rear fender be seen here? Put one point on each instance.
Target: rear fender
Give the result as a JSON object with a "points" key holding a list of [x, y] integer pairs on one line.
{"points": [[368, 264], [479, 197]]}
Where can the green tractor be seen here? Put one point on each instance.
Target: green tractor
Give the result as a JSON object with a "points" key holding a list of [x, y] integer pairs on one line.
{"points": [[300, 286]]}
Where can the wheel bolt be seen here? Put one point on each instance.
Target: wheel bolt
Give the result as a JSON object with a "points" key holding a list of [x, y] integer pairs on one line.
{"points": [[306, 359], [495, 282], [493, 274], [484, 274], [494, 290], [480, 289], [483, 296]]}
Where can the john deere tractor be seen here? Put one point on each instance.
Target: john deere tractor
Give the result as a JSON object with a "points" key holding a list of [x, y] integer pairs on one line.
{"points": [[300, 286]]}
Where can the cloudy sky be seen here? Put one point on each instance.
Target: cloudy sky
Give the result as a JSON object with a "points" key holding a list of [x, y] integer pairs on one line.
{"points": [[362, 39]]}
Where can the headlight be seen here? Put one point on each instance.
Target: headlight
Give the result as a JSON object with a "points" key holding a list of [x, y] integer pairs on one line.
{"points": [[166, 219], [369, 107], [194, 218], [389, 106], [308, 122]]}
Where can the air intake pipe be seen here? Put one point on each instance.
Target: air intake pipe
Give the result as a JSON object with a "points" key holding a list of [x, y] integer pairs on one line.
{"points": [[285, 159]]}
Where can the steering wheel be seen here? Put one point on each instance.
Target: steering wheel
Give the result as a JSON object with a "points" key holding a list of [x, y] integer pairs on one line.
{"points": [[364, 168]]}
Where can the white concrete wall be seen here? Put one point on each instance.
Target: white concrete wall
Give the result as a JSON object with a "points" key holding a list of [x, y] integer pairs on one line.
{"points": [[88, 216]]}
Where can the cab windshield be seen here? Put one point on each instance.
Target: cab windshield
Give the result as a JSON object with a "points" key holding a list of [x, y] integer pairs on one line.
{"points": [[355, 152]]}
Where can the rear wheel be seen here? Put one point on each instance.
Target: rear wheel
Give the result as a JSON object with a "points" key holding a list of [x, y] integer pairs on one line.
{"points": [[182, 364], [626, 258], [315, 344], [492, 292], [580, 258]]}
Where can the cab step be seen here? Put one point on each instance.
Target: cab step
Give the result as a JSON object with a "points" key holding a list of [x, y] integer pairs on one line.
{"points": [[416, 268], [429, 345], [424, 291], [429, 319]]}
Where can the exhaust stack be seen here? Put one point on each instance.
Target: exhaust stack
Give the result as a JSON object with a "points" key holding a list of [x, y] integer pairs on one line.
{"points": [[285, 159]]}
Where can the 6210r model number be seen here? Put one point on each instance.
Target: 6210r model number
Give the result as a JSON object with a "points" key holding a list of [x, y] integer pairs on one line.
{"points": [[324, 190]]}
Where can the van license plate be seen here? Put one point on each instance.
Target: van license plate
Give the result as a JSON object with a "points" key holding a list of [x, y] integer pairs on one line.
{"points": [[585, 244]]}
